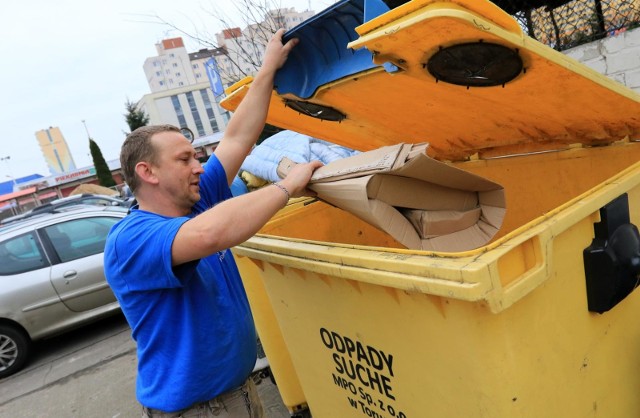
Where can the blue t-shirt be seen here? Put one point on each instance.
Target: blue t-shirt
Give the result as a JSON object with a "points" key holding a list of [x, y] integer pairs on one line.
{"points": [[192, 323]]}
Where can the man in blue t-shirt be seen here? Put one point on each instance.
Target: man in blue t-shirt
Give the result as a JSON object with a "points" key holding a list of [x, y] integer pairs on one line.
{"points": [[169, 265]]}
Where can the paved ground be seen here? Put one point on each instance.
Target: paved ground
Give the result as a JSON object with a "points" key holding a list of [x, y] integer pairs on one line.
{"points": [[91, 378]]}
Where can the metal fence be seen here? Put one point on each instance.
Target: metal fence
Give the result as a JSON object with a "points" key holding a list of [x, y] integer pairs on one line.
{"points": [[564, 24]]}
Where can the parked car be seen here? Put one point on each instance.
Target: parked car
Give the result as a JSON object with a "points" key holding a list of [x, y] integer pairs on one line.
{"points": [[80, 199], [51, 277]]}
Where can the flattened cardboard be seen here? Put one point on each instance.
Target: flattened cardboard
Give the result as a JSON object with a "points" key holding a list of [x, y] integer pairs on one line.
{"points": [[430, 224], [393, 190], [423, 203]]}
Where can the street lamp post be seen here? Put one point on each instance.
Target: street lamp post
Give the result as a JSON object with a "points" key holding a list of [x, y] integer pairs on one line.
{"points": [[6, 159], [86, 129]]}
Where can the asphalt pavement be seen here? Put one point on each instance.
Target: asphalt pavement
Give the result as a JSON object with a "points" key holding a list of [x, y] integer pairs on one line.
{"points": [[90, 376]]}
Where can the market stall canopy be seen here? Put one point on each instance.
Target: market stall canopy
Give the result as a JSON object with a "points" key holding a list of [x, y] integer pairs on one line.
{"points": [[19, 193], [94, 189]]}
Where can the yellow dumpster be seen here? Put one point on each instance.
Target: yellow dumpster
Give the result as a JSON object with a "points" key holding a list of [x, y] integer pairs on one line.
{"points": [[282, 368], [537, 323]]}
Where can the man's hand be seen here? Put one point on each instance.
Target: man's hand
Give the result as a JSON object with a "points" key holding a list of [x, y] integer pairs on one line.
{"points": [[248, 120], [298, 178], [276, 53]]}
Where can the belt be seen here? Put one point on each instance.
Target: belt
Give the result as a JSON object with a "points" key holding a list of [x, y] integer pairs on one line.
{"points": [[211, 403]]}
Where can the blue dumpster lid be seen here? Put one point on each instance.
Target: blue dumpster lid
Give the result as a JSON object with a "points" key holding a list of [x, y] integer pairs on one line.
{"points": [[325, 56]]}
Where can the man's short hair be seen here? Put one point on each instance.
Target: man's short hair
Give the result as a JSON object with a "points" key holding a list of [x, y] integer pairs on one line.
{"points": [[137, 147]]}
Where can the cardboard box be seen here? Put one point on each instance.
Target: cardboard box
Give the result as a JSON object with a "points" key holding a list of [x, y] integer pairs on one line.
{"points": [[423, 203]]}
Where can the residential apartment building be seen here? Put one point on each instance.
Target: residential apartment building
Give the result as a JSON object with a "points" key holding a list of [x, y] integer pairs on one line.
{"points": [[181, 93], [55, 150]]}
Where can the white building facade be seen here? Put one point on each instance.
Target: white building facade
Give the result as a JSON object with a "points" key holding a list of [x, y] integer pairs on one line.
{"points": [[181, 93]]}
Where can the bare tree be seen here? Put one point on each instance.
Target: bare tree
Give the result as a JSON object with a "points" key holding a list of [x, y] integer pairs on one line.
{"points": [[243, 39]]}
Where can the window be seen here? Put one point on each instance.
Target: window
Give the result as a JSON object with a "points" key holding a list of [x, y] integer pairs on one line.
{"points": [[158, 73], [161, 83], [179, 112], [80, 237], [207, 104], [181, 83], [177, 74], [195, 65], [21, 254], [198, 75], [175, 65], [194, 113]]}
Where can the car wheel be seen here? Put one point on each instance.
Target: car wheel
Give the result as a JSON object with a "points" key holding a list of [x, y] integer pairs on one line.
{"points": [[14, 349]]}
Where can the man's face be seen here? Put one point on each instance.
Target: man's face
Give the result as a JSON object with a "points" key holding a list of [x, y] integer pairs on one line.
{"points": [[177, 169]]}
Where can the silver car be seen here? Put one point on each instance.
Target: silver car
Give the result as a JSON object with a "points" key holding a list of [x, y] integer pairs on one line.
{"points": [[52, 278], [78, 199]]}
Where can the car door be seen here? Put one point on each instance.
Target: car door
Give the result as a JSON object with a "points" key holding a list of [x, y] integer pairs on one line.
{"points": [[25, 289], [77, 273]]}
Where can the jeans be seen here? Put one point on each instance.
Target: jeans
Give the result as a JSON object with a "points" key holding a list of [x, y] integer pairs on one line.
{"points": [[239, 403]]}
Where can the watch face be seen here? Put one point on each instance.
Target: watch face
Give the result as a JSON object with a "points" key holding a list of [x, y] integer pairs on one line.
{"points": [[478, 64], [188, 133]]}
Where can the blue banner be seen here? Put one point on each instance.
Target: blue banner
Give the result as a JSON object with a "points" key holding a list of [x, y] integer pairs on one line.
{"points": [[214, 77]]}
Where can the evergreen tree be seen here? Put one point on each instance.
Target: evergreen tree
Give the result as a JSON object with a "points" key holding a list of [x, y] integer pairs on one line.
{"points": [[135, 118], [102, 169]]}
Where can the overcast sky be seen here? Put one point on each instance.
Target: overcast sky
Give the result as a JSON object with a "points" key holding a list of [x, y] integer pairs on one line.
{"points": [[66, 61]]}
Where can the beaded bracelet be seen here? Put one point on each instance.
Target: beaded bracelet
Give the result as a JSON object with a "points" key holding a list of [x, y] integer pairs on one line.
{"points": [[284, 189]]}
